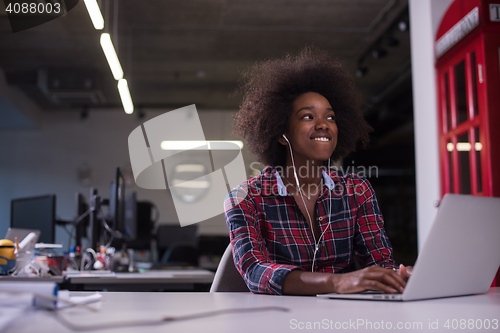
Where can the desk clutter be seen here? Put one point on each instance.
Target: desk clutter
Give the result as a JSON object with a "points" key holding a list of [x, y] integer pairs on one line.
{"points": [[30, 259], [115, 244], [119, 233], [108, 269]]}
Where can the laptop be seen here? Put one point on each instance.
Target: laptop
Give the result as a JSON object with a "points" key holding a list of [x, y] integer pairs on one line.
{"points": [[460, 256], [20, 233]]}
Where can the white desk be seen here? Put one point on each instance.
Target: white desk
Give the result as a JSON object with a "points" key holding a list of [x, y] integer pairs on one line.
{"points": [[118, 307]]}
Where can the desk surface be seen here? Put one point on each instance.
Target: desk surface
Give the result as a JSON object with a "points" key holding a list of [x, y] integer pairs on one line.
{"points": [[164, 276], [302, 313]]}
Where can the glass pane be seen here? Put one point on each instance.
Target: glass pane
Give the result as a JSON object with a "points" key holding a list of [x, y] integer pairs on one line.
{"points": [[448, 107], [478, 147], [460, 93], [463, 149], [473, 70], [449, 156]]}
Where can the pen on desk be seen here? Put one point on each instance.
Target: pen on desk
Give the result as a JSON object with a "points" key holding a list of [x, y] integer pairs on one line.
{"points": [[17, 244]]}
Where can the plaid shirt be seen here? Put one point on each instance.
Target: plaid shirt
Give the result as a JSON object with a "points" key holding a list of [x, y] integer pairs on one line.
{"points": [[271, 237]]}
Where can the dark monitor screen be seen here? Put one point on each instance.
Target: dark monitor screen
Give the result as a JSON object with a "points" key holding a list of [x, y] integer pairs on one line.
{"points": [[81, 208], [117, 202], [131, 216], [35, 213]]}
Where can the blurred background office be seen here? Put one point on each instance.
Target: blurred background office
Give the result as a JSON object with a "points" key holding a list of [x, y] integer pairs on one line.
{"points": [[64, 130]]}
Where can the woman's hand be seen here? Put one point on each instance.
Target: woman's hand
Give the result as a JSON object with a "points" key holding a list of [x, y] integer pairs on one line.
{"points": [[372, 277]]}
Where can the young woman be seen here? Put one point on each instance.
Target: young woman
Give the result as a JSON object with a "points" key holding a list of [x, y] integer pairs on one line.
{"points": [[300, 226]]}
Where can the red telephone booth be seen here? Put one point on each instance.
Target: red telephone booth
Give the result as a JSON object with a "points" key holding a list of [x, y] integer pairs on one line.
{"points": [[467, 50]]}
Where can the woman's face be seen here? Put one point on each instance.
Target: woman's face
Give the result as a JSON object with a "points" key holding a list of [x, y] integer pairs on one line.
{"points": [[312, 130]]}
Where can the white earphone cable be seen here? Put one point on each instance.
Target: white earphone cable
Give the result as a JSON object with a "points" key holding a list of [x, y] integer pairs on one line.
{"points": [[316, 241], [327, 227]]}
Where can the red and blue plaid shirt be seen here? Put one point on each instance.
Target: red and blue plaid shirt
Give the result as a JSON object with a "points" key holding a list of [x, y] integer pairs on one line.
{"points": [[271, 237]]}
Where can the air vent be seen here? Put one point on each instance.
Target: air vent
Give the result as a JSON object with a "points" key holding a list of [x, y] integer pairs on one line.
{"points": [[70, 87]]}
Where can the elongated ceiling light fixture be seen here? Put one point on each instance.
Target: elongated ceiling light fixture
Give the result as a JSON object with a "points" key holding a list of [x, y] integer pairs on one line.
{"points": [[109, 52], [111, 56], [95, 14], [128, 106], [116, 69]]}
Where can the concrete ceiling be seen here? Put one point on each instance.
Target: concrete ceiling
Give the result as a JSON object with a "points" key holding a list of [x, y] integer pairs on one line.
{"points": [[176, 53]]}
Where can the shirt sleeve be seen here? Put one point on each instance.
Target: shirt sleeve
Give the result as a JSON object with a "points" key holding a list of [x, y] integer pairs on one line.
{"points": [[372, 246], [251, 257]]}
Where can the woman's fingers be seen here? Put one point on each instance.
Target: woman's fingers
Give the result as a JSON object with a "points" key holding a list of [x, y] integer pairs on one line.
{"points": [[376, 285], [388, 277], [395, 280], [373, 277]]}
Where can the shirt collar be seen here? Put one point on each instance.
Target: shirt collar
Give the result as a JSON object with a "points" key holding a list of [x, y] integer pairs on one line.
{"points": [[272, 183]]}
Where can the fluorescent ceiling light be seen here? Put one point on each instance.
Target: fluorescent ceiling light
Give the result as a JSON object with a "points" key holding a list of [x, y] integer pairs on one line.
{"points": [[95, 14], [128, 106], [109, 52], [201, 145]]}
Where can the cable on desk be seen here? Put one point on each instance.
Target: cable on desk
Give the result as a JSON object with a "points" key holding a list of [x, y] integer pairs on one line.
{"points": [[161, 321]]}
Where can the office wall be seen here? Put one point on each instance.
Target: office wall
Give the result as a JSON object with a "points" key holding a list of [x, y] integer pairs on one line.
{"points": [[425, 17], [47, 160]]}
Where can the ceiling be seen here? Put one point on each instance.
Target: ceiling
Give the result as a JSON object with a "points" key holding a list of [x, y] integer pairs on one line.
{"points": [[176, 53]]}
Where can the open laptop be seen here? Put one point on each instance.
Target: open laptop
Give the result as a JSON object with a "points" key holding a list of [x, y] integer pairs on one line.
{"points": [[460, 256], [20, 233]]}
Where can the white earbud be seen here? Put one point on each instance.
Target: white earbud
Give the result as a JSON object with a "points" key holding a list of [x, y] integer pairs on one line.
{"points": [[291, 155]]}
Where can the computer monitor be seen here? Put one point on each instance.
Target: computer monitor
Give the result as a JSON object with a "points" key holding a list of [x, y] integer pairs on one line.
{"points": [[35, 213], [117, 202], [131, 216], [138, 224], [81, 227]]}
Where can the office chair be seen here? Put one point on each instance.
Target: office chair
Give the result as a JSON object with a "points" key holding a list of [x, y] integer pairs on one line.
{"points": [[227, 278]]}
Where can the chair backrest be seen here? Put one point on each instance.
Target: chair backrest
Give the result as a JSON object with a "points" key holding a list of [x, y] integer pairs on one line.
{"points": [[227, 278]]}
